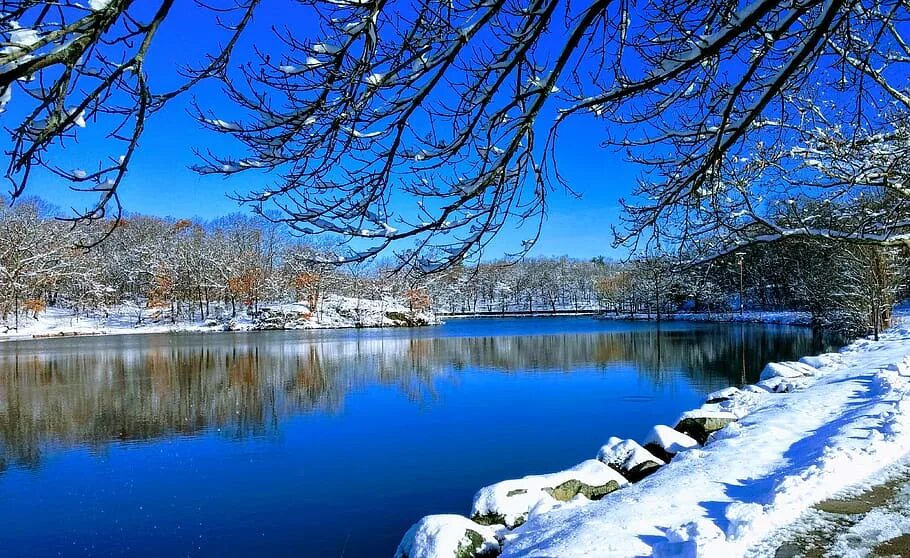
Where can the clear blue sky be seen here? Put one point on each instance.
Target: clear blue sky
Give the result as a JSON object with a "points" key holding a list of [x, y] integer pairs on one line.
{"points": [[160, 182]]}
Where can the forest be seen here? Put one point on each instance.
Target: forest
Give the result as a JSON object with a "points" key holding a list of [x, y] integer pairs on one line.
{"points": [[198, 270]]}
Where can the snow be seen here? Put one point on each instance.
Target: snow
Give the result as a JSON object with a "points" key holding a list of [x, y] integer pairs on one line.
{"points": [[518, 500], [876, 527], [724, 394], [326, 48], [670, 440], [6, 95], [787, 370], [375, 79], [23, 36], [98, 5], [438, 536], [842, 424], [625, 455], [334, 311]]}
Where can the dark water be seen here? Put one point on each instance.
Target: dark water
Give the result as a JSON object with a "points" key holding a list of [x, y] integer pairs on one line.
{"points": [[328, 443]]}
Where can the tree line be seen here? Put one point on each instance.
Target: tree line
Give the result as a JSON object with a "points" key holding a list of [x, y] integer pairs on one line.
{"points": [[181, 269], [849, 287], [178, 268]]}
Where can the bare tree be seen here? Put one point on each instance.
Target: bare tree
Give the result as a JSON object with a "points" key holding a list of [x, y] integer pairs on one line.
{"points": [[65, 65], [450, 112]]}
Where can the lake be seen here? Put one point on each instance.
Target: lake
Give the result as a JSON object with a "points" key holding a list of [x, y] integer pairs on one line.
{"points": [[329, 443]]}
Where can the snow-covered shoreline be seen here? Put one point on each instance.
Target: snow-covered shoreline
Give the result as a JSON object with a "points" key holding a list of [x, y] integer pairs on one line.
{"points": [[783, 317], [805, 432], [335, 312]]}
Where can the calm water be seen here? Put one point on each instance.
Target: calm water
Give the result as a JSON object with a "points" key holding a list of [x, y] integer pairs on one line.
{"points": [[329, 443]]}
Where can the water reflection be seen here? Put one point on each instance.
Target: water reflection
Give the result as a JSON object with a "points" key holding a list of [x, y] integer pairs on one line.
{"points": [[93, 391]]}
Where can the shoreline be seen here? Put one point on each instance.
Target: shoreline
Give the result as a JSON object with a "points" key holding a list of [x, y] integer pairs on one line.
{"points": [[335, 312], [745, 465], [95, 326]]}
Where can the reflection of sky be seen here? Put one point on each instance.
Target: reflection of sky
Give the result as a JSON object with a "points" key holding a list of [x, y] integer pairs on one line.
{"points": [[312, 484]]}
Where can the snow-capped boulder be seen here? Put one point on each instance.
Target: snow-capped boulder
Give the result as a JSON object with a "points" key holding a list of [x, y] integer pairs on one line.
{"points": [[448, 536], [820, 361], [408, 319], [783, 385], [665, 442], [700, 423], [725, 394], [629, 458], [787, 370], [509, 502]]}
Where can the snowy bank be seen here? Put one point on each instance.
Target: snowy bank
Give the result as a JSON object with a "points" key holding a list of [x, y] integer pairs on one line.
{"points": [[334, 311], [769, 452], [755, 317]]}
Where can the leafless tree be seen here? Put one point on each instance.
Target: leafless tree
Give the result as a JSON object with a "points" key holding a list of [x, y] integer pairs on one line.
{"points": [[431, 125], [65, 65]]}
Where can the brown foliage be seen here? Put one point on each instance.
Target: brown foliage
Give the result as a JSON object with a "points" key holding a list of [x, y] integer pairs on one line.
{"points": [[418, 299], [245, 285], [34, 305], [307, 284]]}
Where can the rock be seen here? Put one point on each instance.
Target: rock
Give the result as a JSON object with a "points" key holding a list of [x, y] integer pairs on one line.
{"points": [[509, 502], [285, 316], [787, 370], [211, 322], [629, 458], [822, 360], [665, 442], [448, 536], [725, 394], [700, 423], [407, 319], [782, 385]]}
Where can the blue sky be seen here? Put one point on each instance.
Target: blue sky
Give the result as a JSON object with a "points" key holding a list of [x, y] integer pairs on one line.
{"points": [[160, 182]]}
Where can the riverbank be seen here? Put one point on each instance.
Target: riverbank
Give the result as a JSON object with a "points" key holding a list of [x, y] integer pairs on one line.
{"points": [[749, 462], [334, 312], [752, 316]]}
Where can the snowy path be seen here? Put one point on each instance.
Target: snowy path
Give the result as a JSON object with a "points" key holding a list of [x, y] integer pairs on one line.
{"points": [[870, 519], [789, 451]]}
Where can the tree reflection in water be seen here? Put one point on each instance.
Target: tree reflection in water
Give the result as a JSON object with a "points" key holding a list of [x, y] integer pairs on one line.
{"points": [[93, 391]]}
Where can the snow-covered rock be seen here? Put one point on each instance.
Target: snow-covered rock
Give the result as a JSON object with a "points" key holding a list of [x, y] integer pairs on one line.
{"points": [[822, 360], [725, 394], [339, 311], [783, 385], [448, 536], [629, 458], [847, 423], [665, 442], [510, 502], [700, 423], [334, 311], [787, 370]]}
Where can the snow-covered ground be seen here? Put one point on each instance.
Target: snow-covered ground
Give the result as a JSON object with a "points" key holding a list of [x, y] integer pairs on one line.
{"points": [[805, 432], [334, 312]]}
